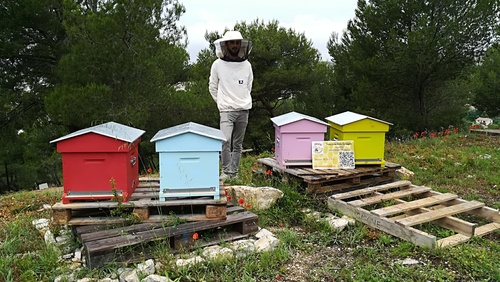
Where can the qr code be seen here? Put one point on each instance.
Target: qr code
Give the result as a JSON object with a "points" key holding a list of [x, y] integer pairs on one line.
{"points": [[346, 159]]}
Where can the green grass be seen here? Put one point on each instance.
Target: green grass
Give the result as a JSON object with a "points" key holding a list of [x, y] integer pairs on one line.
{"points": [[309, 250]]}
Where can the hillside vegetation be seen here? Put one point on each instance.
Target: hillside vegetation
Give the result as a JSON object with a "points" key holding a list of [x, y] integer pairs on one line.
{"points": [[461, 163]]}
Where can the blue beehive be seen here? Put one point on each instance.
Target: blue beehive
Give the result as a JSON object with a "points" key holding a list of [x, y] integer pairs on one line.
{"points": [[189, 160]]}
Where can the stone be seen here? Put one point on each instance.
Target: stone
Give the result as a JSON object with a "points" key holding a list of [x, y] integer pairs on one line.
{"points": [[156, 278], [264, 233], [338, 223], [129, 276], [217, 252], [146, 268], [41, 224], [404, 173], [187, 262], [267, 243], [259, 198]]}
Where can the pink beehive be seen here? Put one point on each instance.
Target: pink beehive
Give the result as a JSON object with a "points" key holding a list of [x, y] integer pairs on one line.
{"points": [[294, 133]]}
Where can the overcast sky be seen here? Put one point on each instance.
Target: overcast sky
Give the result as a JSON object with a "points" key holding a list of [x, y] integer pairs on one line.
{"points": [[317, 19]]}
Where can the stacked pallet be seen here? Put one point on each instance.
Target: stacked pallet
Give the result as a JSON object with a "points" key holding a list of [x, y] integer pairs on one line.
{"points": [[320, 181], [115, 231]]}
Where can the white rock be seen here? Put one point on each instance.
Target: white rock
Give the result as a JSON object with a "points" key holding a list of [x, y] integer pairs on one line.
{"points": [[67, 256], [84, 280], [217, 252], [260, 198], [264, 233], [49, 237], [338, 223], [156, 278], [404, 173], [267, 243], [146, 268], [410, 261], [107, 279], [351, 220], [186, 262], [244, 246], [65, 278], [129, 276], [78, 254], [41, 224]]}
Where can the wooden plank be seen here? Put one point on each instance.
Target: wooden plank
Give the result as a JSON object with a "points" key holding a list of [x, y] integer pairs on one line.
{"points": [[487, 228], [370, 190], [389, 196], [460, 238], [124, 240], [89, 233], [440, 213], [339, 186], [452, 240], [308, 171], [132, 204], [410, 234], [403, 207], [484, 212], [449, 222]]}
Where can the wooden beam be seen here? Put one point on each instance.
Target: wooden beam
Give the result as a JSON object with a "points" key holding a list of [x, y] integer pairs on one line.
{"points": [[389, 196], [404, 207], [440, 213], [410, 234], [370, 190]]}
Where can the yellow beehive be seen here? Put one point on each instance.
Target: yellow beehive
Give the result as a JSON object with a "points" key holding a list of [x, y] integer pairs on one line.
{"points": [[367, 133]]}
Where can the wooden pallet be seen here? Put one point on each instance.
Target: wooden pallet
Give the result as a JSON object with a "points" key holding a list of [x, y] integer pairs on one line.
{"points": [[327, 180], [399, 208], [144, 205], [139, 241]]}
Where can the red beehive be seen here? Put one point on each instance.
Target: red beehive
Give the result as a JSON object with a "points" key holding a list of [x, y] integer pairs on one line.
{"points": [[100, 162]]}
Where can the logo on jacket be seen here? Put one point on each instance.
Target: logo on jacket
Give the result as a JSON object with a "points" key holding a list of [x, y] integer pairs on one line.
{"points": [[240, 81]]}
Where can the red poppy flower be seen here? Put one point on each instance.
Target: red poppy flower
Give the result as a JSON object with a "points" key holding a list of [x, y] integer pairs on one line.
{"points": [[248, 206], [241, 202], [195, 236], [229, 198], [268, 172], [150, 170]]}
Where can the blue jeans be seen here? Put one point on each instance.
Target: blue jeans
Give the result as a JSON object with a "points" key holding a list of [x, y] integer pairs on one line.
{"points": [[233, 125]]}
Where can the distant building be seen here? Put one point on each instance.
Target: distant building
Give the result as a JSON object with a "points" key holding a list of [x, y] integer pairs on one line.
{"points": [[484, 121]]}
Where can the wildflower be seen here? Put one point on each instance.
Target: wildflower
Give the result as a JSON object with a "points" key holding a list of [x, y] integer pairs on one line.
{"points": [[248, 206], [229, 198], [415, 135], [241, 202], [150, 170], [195, 236], [268, 172], [456, 129], [272, 149], [225, 191], [278, 276]]}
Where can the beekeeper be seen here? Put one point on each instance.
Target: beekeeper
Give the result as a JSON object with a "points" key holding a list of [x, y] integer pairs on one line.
{"points": [[230, 85]]}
